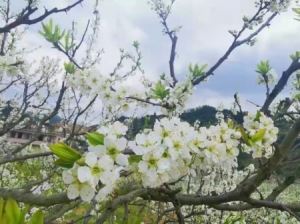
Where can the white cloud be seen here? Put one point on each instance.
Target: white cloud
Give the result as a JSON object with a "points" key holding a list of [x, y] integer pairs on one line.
{"points": [[203, 38]]}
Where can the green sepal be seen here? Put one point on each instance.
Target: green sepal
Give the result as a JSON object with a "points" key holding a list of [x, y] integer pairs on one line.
{"points": [[64, 163], [65, 152], [95, 138], [81, 161]]}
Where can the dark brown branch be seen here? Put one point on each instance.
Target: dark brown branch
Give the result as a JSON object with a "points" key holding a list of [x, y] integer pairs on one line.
{"points": [[78, 115], [236, 43], [58, 211], [294, 66], [10, 84], [276, 205], [144, 101], [34, 199], [280, 188], [163, 14], [82, 39], [25, 157], [45, 119], [24, 19], [172, 58], [70, 57], [112, 206], [4, 37], [180, 217]]}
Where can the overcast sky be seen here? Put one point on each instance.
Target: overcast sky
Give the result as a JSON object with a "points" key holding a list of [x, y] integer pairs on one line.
{"points": [[203, 38]]}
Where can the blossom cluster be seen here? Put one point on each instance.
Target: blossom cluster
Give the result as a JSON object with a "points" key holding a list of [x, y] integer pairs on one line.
{"points": [[116, 96], [113, 94], [280, 6], [173, 148], [261, 134], [165, 153], [178, 96], [169, 151], [8, 68], [172, 97], [100, 168], [219, 143]]}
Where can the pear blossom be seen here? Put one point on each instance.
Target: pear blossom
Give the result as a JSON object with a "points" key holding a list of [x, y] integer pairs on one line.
{"points": [[99, 168], [114, 148], [78, 187], [153, 168], [260, 145]]}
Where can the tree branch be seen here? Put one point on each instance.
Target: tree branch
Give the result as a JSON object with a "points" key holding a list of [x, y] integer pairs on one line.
{"points": [[24, 19], [236, 43], [294, 66]]}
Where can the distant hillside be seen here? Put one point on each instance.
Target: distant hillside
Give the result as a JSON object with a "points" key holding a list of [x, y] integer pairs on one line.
{"points": [[206, 115]]}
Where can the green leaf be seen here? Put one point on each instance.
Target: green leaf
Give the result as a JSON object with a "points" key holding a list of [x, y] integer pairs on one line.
{"points": [[50, 34], [197, 71], [12, 211], [95, 138], [297, 11], [67, 42], [257, 116], [69, 68], [65, 152], [259, 135], [295, 56], [136, 44], [24, 211], [263, 67], [2, 204], [37, 218], [297, 96], [160, 91]]}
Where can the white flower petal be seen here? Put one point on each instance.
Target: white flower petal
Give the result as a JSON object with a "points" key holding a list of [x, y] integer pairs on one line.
{"points": [[73, 191], [103, 193], [106, 162], [87, 192], [122, 160], [121, 143], [84, 174], [67, 177], [91, 159]]}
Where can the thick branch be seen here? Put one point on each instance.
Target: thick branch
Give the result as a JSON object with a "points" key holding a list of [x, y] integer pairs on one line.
{"points": [[265, 171], [34, 199], [25, 157], [112, 206]]}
